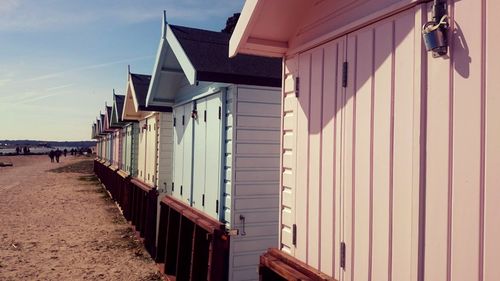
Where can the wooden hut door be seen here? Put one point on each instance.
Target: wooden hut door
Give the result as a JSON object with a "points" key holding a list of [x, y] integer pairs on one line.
{"points": [[213, 155], [380, 150], [178, 151], [207, 155], [319, 143], [200, 146], [187, 159], [356, 144]]}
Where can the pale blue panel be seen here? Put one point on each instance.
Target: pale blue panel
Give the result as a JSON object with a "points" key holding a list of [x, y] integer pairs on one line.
{"points": [[187, 140], [199, 157], [213, 156], [178, 151]]}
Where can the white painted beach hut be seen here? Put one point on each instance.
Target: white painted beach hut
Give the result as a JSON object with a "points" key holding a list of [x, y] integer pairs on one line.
{"points": [[154, 147], [226, 119], [119, 126]]}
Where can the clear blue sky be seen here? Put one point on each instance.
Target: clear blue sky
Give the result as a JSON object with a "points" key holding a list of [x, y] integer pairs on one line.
{"points": [[61, 59]]}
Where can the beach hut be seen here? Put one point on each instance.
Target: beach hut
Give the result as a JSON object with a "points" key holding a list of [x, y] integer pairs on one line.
{"points": [[109, 134], [117, 123], [94, 136], [226, 155], [130, 147], [100, 163], [116, 178], [97, 136], [154, 154], [104, 135], [390, 133]]}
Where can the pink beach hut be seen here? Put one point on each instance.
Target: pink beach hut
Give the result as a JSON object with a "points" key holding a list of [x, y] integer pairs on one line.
{"points": [[390, 154]]}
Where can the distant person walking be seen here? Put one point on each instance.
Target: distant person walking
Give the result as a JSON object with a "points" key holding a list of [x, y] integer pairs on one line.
{"points": [[51, 156], [65, 151], [58, 154]]}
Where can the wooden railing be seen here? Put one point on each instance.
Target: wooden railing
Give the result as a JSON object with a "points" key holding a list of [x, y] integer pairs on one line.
{"points": [[191, 245]]}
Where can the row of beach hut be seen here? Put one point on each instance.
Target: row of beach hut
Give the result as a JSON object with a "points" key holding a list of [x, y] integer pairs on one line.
{"points": [[316, 140]]}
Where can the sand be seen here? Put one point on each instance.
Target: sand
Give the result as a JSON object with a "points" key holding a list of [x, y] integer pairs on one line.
{"points": [[61, 225]]}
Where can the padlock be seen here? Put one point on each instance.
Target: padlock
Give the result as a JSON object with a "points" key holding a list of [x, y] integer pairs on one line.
{"points": [[434, 35]]}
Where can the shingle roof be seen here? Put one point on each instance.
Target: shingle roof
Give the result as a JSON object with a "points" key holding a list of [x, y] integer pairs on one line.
{"points": [[108, 111], [208, 52], [119, 99], [141, 87]]}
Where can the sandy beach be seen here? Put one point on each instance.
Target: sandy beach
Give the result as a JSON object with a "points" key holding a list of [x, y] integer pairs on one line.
{"points": [[57, 223]]}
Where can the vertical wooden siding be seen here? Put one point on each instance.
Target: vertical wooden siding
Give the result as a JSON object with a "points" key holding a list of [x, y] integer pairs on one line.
{"points": [[134, 149], [141, 152], [150, 175], [183, 134], [463, 156], [123, 149], [318, 139], [356, 153], [381, 150]]}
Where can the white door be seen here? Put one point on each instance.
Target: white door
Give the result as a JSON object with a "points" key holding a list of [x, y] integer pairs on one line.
{"points": [[178, 151], [187, 140], [213, 155], [200, 145]]}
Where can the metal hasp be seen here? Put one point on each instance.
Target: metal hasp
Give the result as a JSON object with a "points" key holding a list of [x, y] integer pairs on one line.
{"points": [[242, 220], [342, 254], [435, 31], [294, 234], [345, 66]]}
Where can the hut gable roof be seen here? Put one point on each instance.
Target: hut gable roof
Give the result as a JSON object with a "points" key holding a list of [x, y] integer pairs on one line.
{"points": [[187, 56], [134, 106], [116, 116], [208, 52]]}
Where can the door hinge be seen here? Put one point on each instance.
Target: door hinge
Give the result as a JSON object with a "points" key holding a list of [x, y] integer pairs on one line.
{"points": [[172, 187], [205, 116], [217, 206], [342, 255], [181, 189], [297, 86], [294, 234], [203, 200], [220, 112], [182, 120], [175, 119], [345, 66]]}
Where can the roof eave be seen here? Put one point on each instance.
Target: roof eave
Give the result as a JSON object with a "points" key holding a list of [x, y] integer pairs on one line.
{"points": [[245, 23], [181, 56], [241, 41], [153, 92]]}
